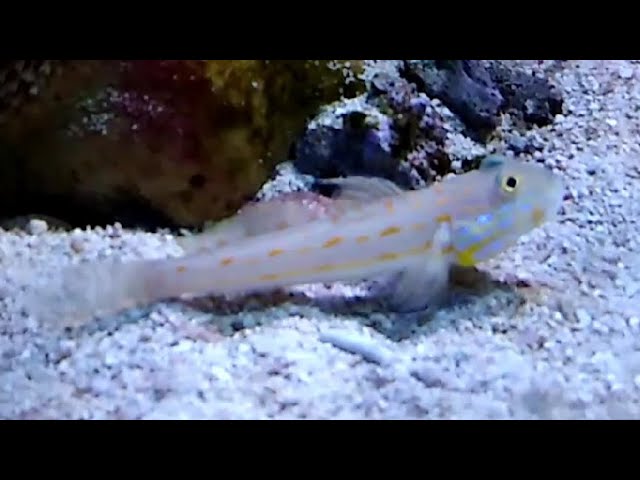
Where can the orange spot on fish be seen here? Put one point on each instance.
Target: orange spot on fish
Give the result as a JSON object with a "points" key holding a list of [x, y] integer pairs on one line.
{"points": [[275, 252], [332, 242], [537, 216], [421, 249], [443, 218], [388, 256], [388, 204], [226, 261], [282, 225], [469, 210], [362, 239], [269, 276], [389, 231], [441, 201], [419, 226], [181, 269], [448, 249], [325, 268]]}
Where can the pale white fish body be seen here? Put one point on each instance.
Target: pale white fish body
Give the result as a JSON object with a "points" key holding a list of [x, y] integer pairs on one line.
{"points": [[386, 235]]}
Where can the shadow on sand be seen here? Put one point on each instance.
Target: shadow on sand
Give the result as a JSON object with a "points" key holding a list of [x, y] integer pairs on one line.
{"points": [[467, 286]]}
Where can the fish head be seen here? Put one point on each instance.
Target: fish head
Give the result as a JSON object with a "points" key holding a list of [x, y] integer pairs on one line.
{"points": [[515, 198]]}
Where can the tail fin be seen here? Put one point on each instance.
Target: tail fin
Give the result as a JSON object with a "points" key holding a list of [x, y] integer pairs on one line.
{"points": [[76, 294]]}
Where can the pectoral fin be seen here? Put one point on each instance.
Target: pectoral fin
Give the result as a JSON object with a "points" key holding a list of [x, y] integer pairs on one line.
{"points": [[424, 284]]}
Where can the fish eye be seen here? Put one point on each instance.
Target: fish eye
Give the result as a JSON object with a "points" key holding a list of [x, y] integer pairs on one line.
{"points": [[509, 183]]}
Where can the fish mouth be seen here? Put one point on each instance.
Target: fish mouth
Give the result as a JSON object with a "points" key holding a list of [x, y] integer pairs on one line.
{"points": [[547, 206]]}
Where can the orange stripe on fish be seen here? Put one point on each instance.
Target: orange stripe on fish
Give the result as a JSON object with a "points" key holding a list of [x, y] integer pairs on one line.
{"points": [[390, 231], [332, 242]]}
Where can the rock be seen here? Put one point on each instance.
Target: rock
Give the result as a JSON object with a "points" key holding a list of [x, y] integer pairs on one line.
{"points": [[626, 72], [33, 224], [419, 129], [162, 143], [518, 144], [21, 80], [37, 226], [355, 149], [479, 92], [394, 132], [527, 97], [431, 376], [464, 86]]}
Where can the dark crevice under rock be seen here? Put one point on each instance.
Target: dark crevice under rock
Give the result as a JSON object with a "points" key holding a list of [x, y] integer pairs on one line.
{"points": [[72, 210], [130, 212]]}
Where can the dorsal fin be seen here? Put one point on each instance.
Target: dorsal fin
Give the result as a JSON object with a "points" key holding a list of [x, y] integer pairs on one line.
{"points": [[493, 160], [284, 211], [360, 188], [290, 210]]}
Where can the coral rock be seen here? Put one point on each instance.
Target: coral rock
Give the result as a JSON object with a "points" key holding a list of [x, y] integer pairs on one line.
{"points": [[531, 99], [462, 85], [354, 149], [165, 143], [478, 92]]}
